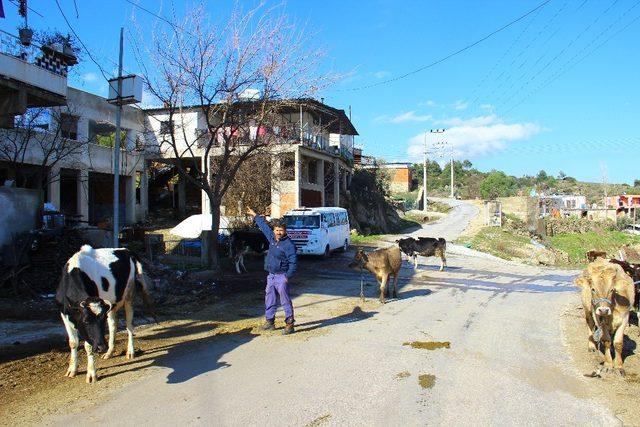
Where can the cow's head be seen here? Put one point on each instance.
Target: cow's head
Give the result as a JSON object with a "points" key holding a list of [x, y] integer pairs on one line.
{"points": [[407, 245], [359, 260], [601, 283], [93, 314]]}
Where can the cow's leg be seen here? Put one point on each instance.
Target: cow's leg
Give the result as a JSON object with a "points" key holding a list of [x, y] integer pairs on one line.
{"points": [[128, 313], [242, 264], [237, 263], [112, 322], [395, 284], [608, 361], [91, 367], [618, 340], [592, 346], [443, 261], [415, 261], [383, 286], [72, 333]]}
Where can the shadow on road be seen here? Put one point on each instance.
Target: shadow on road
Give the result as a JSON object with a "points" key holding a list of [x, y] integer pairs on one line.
{"points": [[356, 315]]}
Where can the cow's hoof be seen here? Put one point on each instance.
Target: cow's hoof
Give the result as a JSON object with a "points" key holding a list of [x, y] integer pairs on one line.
{"points": [[130, 356], [107, 355], [70, 373], [620, 372], [91, 379]]}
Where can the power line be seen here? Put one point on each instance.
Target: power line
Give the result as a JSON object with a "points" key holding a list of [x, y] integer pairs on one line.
{"points": [[564, 49], [80, 41], [568, 66], [451, 55], [475, 95], [509, 70]]}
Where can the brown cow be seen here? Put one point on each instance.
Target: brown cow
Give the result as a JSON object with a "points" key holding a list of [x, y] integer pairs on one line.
{"points": [[633, 270], [594, 255], [382, 263], [607, 296]]}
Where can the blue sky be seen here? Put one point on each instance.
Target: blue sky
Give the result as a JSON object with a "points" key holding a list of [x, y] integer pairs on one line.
{"points": [[558, 90]]}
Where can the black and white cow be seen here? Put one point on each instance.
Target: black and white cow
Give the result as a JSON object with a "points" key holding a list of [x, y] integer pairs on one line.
{"points": [[244, 242], [425, 246], [95, 284]]}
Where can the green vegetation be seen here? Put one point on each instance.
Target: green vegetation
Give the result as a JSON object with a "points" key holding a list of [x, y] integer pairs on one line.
{"points": [[497, 184], [498, 242], [468, 181], [359, 239], [577, 244]]}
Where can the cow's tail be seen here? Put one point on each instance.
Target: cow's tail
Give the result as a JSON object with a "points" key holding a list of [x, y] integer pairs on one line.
{"points": [[443, 243], [143, 288]]}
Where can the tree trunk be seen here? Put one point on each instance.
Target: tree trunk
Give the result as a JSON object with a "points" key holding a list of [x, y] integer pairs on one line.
{"points": [[214, 261]]}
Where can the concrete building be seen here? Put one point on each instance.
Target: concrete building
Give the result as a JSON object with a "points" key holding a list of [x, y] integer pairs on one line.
{"points": [[81, 184], [400, 177], [311, 163]]}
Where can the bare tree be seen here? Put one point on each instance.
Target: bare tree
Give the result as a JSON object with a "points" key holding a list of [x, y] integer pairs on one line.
{"points": [[41, 140], [238, 78]]}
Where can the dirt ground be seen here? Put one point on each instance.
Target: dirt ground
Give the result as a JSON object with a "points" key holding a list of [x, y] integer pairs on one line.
{"points": [[619, 394], [33, 373]]}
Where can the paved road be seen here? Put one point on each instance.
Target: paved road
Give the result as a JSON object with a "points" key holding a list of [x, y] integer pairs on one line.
{"points": [[349, 366]]}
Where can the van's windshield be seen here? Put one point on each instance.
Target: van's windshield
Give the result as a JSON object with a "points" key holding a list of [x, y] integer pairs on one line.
{"points": [[302, 221]]}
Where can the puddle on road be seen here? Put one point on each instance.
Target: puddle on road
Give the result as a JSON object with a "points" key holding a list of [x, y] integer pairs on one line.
{"points": [[427, 380], [402, 375], [428, 345]]}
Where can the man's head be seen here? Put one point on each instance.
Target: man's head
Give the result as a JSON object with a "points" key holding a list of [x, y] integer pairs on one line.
{"points": [[279, 229]]}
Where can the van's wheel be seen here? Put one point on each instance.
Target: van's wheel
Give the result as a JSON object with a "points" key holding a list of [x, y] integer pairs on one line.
{"points": [[344, 247], [327, 252]]}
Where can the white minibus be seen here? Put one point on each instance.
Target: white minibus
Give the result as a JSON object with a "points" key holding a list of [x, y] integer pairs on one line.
{"points": [[318, 231]]}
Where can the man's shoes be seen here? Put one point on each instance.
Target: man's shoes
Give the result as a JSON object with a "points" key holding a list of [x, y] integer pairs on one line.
{"points": [[288, 329], [268, 326]]}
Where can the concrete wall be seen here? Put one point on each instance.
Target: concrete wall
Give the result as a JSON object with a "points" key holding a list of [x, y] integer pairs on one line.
{"points": [[19, 209], [515, 205]]}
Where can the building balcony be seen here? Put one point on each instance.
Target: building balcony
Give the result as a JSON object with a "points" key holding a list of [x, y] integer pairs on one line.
{"points": [[29, 78]]}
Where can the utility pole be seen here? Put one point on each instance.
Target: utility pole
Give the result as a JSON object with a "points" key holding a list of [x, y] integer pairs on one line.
{"points": [[424, 175], [436, 131], [452, 192], [116, 154]]}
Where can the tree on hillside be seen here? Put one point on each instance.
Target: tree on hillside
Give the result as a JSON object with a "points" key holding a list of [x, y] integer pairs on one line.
{"points": [[542, 176], [238, 77], [636, 182], [497, 184]]}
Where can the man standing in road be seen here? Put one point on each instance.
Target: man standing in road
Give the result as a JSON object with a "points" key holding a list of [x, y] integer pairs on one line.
{"points": [[280, 264]]}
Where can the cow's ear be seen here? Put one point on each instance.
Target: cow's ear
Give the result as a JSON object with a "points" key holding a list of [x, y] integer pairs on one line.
{"points": [[582, 282], [83, 304]]}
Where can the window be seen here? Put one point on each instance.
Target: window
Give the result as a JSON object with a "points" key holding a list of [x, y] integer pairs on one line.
{"points": [[138, 185], [302, 221], [69, 126], [166, 127], [313, 172]]}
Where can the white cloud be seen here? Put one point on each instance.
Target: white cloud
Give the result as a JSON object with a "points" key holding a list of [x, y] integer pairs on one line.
{"points": [[486, 107], [460, 105], [381, 74], [476, 136], [89, 77], [409, 116], [428, 103]]}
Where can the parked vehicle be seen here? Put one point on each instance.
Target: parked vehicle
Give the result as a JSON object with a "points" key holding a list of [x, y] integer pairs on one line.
{"points": [[632, 229], [318, 231]]}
